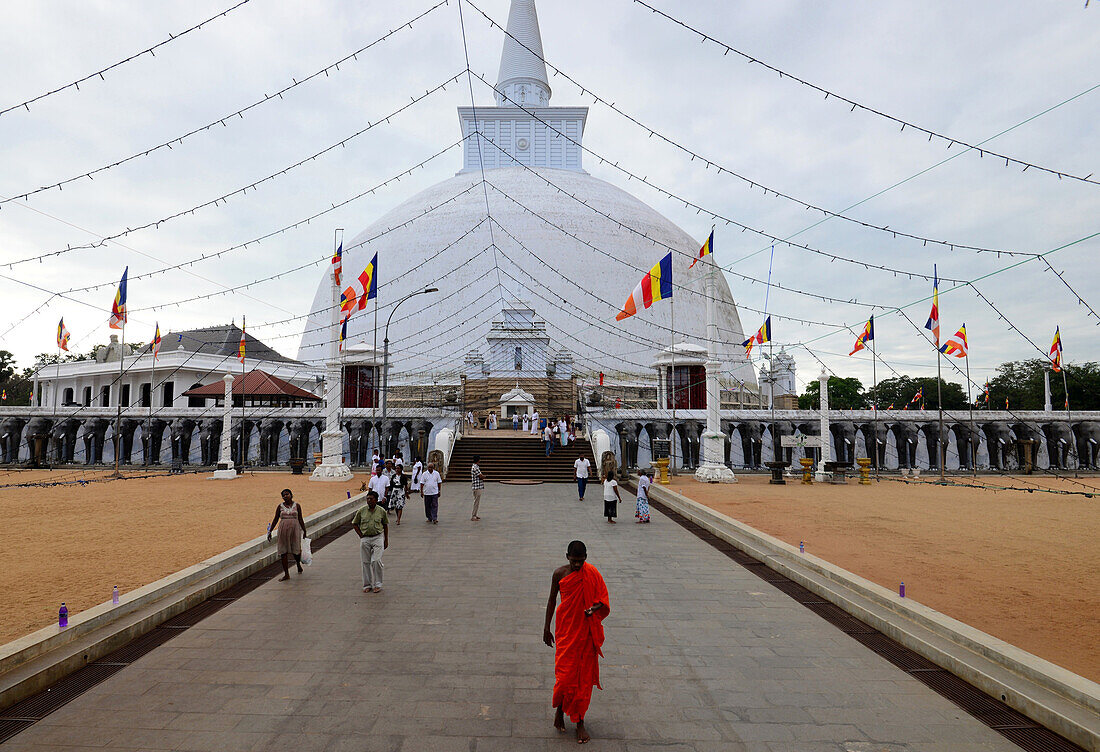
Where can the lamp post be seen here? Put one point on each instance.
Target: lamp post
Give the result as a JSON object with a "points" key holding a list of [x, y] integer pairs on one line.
{"points": [[386, 352]]}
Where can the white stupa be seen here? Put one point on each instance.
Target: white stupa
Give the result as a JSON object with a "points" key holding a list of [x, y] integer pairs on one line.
{"points": [[544, 245]]}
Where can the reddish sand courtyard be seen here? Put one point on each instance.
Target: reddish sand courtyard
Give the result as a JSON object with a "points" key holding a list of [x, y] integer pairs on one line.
{"points": [[1020, 566]]}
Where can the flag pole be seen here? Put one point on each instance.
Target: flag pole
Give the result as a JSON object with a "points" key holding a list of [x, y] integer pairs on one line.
{"points": [[1069, 420], [874, 401], [940, 444], [152, 389], [118, 407], [970, 402], [672, 388], [241, 447]]}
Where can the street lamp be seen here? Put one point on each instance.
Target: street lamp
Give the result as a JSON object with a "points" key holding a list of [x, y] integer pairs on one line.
{"points": [[386, 350]]}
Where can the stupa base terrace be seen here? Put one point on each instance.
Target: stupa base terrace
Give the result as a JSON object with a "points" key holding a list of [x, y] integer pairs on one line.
{"points": [[44, 436]]}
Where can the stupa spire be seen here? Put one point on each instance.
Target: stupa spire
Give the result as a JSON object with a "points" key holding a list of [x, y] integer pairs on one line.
{"points": [[522, 78]]}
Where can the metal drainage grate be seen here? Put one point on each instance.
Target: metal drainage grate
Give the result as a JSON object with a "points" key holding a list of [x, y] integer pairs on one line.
{"points": [[998, 716], [45, 702], [29, 711]]}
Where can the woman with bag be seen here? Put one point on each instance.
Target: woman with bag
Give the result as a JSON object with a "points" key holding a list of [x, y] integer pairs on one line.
{"points": [[291, 529], [399, 492]]}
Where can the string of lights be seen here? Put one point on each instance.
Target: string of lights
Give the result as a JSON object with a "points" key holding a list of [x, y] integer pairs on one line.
{"points": [[931, 134], [26, 105], [240, 113], [242, 190], [708, 163]]}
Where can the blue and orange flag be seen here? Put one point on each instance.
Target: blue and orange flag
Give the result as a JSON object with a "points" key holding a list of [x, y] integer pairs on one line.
{"points": [[933, 323], [240, 347], [763, 334], [865, 336], [338, 264], [1056, 350], [343, 333], [156, 341], [706, 250], [62, 336], [957, 345], [118, 308], [361, 290], [656, 285], [918, 397]]}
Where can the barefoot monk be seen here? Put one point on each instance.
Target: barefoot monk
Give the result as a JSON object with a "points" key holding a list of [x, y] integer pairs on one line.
{"points": [[577, 636]]}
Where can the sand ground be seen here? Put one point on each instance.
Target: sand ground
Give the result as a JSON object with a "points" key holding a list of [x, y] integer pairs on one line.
{"points": [[1020, 566], [74, 542]]}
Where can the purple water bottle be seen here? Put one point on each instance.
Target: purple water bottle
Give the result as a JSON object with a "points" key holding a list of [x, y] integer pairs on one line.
{"points": [[901, 590], [114, 595], [62, 617]]}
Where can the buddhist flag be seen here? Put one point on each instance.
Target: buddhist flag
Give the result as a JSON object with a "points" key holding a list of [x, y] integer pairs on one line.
{"points": [[1056, 351], [240, 347], [362, 289], [338, 263], [957, 345], [891, 406], [987, 394], [156, 342], [1006, 403], [933, 324], [62, 336], [706, 250], [866, 336], [763, 334], [343, 333], [656, 285], [118, 308], [919, 396]]}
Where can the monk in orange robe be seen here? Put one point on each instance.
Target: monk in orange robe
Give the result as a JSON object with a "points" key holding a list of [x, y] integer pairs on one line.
{"points": [[577, 636]]}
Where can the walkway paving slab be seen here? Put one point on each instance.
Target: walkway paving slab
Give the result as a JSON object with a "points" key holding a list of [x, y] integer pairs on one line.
{"points": [[701, 655]]}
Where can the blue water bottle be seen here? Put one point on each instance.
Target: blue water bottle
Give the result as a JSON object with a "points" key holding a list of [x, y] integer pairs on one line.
{"points": [[114, 595], [901, 590], [62, 617], [802, 547]]}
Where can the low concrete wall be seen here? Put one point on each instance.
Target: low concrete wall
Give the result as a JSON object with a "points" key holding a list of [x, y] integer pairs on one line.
{"points": [[38, 660], [1050, 695]]}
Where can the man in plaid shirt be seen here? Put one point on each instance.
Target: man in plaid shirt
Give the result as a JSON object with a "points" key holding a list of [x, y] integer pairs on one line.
{"points": [[478, 481]]}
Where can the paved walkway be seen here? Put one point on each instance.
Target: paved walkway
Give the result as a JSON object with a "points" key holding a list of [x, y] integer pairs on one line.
{"points": [[701, 655]]}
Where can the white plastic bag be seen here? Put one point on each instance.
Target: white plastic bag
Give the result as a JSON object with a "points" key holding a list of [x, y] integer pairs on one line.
{"points": [[307, 554]]}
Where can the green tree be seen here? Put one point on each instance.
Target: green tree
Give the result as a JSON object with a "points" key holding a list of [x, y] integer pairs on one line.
{"points": [[844, 394], [1021, 381], [15, 386], [899, 391]]}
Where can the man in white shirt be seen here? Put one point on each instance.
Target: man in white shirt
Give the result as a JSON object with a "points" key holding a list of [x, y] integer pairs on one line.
{"points": [[535, 422], [417, 471], [430, 484], [548, 437], [380, 484], [580, 474]]}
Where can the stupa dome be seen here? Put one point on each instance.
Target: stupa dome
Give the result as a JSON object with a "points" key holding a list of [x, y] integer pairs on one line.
{"points": [[575, 288]]}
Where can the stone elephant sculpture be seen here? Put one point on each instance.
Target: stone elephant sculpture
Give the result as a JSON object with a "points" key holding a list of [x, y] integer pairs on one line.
{"points": [[1000, 441], [1088, 443]]}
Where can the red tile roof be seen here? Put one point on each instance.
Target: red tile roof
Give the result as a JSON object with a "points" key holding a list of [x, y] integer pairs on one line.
{"points": [[255, 383]]}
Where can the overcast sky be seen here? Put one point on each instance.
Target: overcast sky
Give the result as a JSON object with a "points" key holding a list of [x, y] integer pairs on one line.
{"points": [[969, 70]]}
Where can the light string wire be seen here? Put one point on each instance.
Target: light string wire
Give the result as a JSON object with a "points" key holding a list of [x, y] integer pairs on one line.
{"points": [[896, 120], [99, 73], [178, 140], [385, 119], [708, 162]]}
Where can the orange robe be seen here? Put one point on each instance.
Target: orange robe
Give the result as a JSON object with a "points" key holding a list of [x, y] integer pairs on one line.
{"points": [[577, 640]]}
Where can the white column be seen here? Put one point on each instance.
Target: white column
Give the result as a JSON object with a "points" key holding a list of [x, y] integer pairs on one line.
{"points": [[826, 437], [713, 469], [332, 467], [1047, 407], [225, 455]]}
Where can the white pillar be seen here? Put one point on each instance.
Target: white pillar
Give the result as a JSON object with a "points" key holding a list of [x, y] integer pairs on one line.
{"points": [[332, 467], [1047, 407], [225, 469], [826, 437], [713, 469]]}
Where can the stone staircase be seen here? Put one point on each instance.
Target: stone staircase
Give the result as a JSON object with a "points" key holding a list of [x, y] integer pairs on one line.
{"points": [[517, 456]]}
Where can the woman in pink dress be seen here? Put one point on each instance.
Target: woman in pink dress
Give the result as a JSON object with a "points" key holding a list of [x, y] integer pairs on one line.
{"points": [[291, 529]]}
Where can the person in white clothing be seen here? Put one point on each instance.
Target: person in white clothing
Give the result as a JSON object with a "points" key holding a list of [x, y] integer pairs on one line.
{"points": [[469, 417], [526, 423], [563, 431], [414, 481], [548, 437], [535, 422], [641, 510], [610, 497], [580, 474], [430, 484], [380, 484]]}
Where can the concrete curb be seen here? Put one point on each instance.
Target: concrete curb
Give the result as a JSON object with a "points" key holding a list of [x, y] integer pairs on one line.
{"points": [[1050, 695], [38, 660]]}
